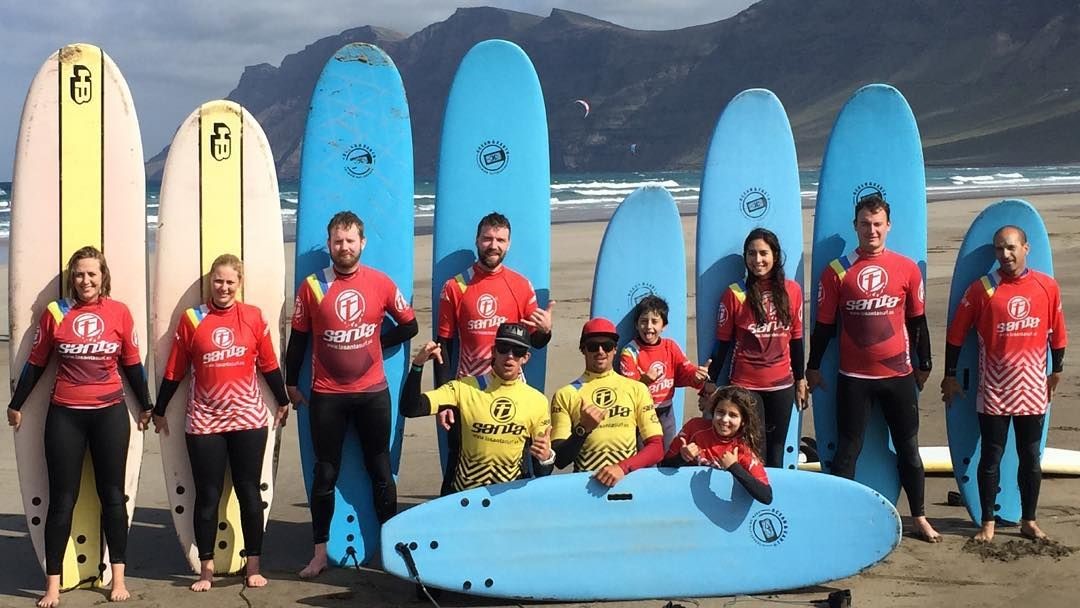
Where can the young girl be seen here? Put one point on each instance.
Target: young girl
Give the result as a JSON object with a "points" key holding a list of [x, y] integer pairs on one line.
{"points": [[728, 441]]}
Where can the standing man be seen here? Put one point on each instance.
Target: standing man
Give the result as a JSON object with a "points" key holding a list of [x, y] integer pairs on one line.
{"points": [[598, 418], [877, 296], [473, 305], [344, 306], [1016, 312]]}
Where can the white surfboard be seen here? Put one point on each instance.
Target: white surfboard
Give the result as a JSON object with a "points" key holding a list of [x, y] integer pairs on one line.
{"points": [[78, 181], [219, 195], [936, 460]]}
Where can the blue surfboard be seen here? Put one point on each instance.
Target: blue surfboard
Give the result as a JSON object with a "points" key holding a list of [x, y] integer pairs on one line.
{"points": [[357, 156], [751, 180], [662, 527], [975, 260], [874, 147], [494, 157], [643, 253]]}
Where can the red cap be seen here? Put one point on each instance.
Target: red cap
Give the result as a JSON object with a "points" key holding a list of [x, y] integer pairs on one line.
{"points": [[599, 327]]}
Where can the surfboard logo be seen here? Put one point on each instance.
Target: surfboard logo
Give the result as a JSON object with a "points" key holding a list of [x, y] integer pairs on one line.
{"points": [[349, 306], [639, 291], [359, 161], [80, 85], [492, 156], [222, 337], [221, 142], [866, 189], [88, 326], [503, 409], [768, 527], [872, 279], [754, 203]]}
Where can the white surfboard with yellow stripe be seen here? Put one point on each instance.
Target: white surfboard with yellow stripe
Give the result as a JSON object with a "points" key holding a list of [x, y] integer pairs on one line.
{"points": [[219, 195], [78, 181]]}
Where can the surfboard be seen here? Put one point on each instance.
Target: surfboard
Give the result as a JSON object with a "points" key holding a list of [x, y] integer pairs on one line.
{"points": [[642, 253], [874, 147], [493, 156], [937, 460], [78, 181], [357, 156], [751, 180], [219, 195], [657, 525], [974, 260]]}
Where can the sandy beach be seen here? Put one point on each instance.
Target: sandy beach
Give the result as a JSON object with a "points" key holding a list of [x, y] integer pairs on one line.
{"points": [[916, 574]]}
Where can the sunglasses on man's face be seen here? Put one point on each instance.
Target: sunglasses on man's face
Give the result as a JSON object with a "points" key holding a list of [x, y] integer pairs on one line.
{"points": [[607, 345], [510, 349]]}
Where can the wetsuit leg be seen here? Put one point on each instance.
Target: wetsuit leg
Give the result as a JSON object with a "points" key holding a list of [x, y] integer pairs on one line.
{"points": [[453, 453], [666, 416], [65, 448], [209, 456], [328, 416], [246, 451], [853, 401], [993, 431], [1029, 476], [108, 434], [899, 399], [372, 420], [777, 407]]}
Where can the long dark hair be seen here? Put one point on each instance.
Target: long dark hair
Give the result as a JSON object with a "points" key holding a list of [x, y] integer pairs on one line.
{"points": [[750, 430], [754, 296]]}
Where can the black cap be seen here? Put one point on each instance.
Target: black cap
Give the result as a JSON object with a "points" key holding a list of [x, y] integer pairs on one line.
{"points": [[513, 333]]}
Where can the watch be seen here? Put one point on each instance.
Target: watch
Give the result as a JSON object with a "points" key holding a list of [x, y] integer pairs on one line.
{"points": [[549, 461], [580, 430]]}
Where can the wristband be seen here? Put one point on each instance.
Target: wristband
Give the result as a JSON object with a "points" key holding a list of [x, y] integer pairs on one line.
{"points": [[417, 368], [550, 461]]}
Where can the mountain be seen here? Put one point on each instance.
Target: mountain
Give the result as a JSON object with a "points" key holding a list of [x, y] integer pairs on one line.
{"points": [[991, 82]]}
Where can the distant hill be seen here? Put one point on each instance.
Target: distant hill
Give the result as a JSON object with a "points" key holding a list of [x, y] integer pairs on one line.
{"points": [[990, 81]]}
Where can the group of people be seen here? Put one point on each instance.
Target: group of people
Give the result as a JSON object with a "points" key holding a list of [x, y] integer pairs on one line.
{"points": [[616, 417]]}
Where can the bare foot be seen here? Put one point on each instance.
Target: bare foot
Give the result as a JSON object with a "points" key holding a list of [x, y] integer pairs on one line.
{"points": [[253, 578], [317, 564], [206, 576], [1030, 529], [119, 591], [924, 531], [986, 533], [51, 599]]}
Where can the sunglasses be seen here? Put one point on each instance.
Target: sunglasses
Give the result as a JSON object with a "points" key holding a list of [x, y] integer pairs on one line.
{"points": [[510, 349], [607, 345]]}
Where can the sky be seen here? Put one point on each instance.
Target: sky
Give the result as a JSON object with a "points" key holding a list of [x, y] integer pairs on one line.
{"points": [[178, 54]]}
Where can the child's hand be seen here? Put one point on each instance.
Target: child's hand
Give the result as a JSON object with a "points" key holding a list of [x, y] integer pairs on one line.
{"points": [[431, 350], [703, 397], [702, 372], [690, 452], [729, 458]]}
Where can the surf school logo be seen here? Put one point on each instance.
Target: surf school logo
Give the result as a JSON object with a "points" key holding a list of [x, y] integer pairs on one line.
{"points": [[359, 161], [866, 189], [486, 305], [605, 399], [502, 409], [37, 336], [872, 279], [221, 141], [88, 326], [349, 306], [754, 203], [768, 527], [400, 303], [1019, 307], [80, 84], [492, 156], [721, 315], [639, 291], [222, 337]]}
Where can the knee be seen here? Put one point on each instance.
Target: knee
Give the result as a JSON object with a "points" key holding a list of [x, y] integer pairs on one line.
{"points": [[62, 504], [325, 477], [907, 452], [112, 499]]}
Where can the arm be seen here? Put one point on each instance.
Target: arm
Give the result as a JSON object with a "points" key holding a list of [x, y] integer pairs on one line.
{"points": [[919, 342], [399, 334], [649, 454], [797, 349], [276, 382], [757, 489], [819, 342], [27, 381], [539, 338], [294, 356], [136, 377], [443, 372], [719, 357], [165, 395], [414, 404]]}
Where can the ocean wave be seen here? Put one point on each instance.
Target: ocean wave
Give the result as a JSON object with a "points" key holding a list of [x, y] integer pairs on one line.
{"points": [[621, 185]]}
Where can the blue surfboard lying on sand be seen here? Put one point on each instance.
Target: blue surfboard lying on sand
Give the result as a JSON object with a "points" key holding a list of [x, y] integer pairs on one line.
{"points": [[643, 253], [494, 157], [667, 530], [874, 147], [975, 260], [751, 180], [357, 156]]}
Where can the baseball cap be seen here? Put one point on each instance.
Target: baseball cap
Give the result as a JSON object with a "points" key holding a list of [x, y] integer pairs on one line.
{"points": [[599, 327], [513, 333]]}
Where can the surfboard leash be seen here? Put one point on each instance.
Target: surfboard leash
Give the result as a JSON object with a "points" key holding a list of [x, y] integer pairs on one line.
{"points": [[406, 554]]}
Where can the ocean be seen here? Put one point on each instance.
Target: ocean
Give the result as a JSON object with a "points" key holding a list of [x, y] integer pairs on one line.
{"points": [[595, 195]]}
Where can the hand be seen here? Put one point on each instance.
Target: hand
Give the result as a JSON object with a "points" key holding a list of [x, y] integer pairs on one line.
{"points": [[729, 458], [702, 372], [540, 319], [144, 419], [813, 379], [920, 378], [802, 395], [541, 446], [609, 475], [14, 418], [1051, 385], [296, 397], [431, 350], [591, 416], [281, 415], [950, 389], [446, 418], [646, 378], [690, 452], [703, 396], [161, 425]]}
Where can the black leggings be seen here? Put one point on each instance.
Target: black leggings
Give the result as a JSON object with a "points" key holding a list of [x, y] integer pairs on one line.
{"points": [[68, 433], [330, 415], [994, 431], [900, 404], [774, 411], [243, 451]]}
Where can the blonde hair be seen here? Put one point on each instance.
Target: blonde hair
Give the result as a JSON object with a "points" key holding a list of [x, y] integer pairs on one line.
{"points": [[88, 253], [228, 259]]}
